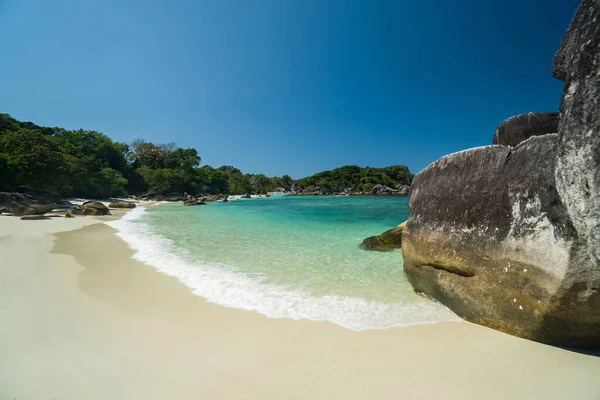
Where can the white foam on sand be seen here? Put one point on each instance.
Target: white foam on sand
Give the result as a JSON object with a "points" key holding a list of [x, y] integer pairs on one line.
{"points": [[225, 285]]}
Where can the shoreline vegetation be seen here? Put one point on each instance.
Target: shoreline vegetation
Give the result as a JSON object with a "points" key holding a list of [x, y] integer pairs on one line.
{"points": [[87, 163]]}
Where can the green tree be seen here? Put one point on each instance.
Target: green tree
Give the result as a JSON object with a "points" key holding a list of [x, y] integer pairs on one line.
{"points": [[31, 159], [357, 178], [108, 182], [88, 163]]}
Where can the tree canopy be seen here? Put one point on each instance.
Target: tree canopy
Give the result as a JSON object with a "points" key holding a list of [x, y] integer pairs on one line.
{"points": [[357, 178], [89, 163]]}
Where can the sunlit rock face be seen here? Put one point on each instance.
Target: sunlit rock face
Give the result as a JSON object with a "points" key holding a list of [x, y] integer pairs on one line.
{"points": [[508, 236]]}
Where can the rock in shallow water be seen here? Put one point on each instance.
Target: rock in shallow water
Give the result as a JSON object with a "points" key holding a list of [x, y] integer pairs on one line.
{"points": [[388, 240], [510, 238]]}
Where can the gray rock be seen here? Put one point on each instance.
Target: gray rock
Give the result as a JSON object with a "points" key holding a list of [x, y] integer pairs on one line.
{"points": [[499, 251], [21, 204], [577, 62], [510, 238], [380, 189], [403, 189], [95, 208], [575, 55], [514, 130]]}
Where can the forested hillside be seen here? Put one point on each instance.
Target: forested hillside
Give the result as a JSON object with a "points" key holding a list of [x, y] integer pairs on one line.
{"points": [[89, 163], [357, 178]]}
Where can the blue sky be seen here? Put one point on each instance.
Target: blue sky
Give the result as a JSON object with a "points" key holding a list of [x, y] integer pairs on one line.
{"points": [[275, 86]]}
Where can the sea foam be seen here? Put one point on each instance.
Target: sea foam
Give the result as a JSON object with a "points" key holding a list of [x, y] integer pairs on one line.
{"points": [[226, 285]]}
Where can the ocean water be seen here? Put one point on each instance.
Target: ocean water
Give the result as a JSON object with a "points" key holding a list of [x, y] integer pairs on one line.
{"points": [[293, 257]]}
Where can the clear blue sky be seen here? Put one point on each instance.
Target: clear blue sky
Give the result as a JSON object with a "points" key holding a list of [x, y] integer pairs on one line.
{"points": [[278, 86]]}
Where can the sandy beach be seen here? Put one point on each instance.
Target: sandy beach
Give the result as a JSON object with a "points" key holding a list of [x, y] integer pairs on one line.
{"points": [[80, 319]]}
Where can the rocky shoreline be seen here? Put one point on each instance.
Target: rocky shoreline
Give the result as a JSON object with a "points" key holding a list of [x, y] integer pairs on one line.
{"points": [[43, 204], [31, 202], [508, 235], [318, 191]]}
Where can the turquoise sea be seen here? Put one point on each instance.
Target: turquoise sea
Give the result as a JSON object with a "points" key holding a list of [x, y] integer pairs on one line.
{"points": [[295, 257]]}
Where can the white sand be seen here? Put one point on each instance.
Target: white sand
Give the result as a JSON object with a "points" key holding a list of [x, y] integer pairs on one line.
{"points": [[79, 319]]}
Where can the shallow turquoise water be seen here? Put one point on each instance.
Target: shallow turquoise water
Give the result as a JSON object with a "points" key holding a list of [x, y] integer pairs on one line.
{"points": [[296, 257]]}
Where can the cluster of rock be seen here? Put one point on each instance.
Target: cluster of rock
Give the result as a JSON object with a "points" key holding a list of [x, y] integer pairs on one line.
{"points": [[193, 201], [375, 190], [22, 204], [183, 198], [35, 205], [173, 197], [309, 191], [381, 189], [508, 235]]}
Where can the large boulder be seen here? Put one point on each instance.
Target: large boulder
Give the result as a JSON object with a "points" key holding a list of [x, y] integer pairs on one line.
{"points": [[577, 62], [388, 240], [514, 130], [22, 204], [497, 249], [95, 208], [509, 237]]}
